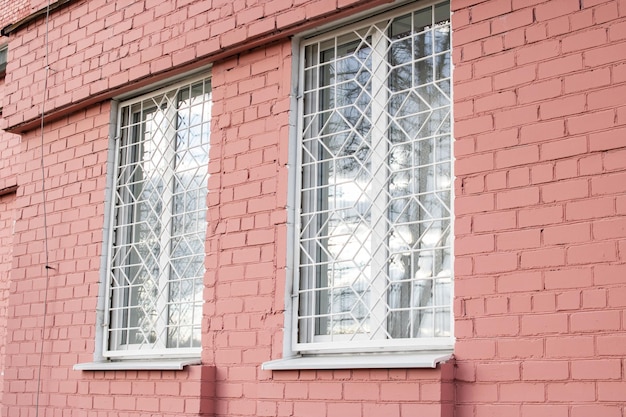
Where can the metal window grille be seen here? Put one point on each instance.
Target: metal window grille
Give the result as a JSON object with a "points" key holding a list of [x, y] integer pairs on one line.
{"points": [[156, 254], [375, 261]]}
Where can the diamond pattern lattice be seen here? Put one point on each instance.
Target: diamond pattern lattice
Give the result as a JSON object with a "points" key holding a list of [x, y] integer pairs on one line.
{"points": [[376, 182], [157, 249]]}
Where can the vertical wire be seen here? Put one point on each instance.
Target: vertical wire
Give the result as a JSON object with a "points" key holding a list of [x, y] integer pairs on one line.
{"points": [[45, 213]]}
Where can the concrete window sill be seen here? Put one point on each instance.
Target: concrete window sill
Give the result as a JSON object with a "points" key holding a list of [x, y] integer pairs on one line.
{"points": [[362, 361], [137, 365]]}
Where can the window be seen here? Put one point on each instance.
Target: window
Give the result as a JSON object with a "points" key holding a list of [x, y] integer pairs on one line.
{"points": [[374, 265], [4, 50], [156, 247]]}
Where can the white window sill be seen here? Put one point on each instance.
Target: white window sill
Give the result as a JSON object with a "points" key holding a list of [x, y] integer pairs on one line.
{"points": [[360, 361], [137, 365]]}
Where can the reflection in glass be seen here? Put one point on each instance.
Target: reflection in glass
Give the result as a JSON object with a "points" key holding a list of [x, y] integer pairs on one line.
{"points": [[375, 238], [157, 261]]}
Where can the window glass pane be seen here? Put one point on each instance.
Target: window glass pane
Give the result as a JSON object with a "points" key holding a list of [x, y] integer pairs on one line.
{"points": [[376, 182], [157, 250]]}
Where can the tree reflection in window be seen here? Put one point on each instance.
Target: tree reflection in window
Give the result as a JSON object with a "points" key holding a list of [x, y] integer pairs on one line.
{"points": [[375, 242]]}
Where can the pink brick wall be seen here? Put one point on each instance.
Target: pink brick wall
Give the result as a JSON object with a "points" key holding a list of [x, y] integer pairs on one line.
{"points": [[6, 259], [247, 252], [75, 161], [97, 47], [540, 208], [12, 11], [9, 154], [541, 180]]}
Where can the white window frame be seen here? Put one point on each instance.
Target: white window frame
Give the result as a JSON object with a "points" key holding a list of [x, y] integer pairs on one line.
{"points": [[326, 352], [113, 347]]}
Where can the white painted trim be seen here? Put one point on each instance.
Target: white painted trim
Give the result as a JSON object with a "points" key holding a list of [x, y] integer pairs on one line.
{"points": [[161, 365], [406, 360]]}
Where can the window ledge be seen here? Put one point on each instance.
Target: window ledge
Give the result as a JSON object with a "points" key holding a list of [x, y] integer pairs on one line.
{"points": [[137, 365], [360, 361]]}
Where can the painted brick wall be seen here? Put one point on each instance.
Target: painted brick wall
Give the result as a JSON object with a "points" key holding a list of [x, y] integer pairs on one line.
{"points": [[6, 259], [12, 11], [245, 279], [75, 160], [247, 252], [540, 208], [540, 202], [9, 151], [98, 46]]}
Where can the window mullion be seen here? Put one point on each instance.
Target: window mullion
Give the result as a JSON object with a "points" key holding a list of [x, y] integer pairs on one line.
{"points": [[167, 198], [377, 190]]}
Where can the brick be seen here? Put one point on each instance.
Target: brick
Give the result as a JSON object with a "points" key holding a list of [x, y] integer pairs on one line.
{"points": [[560, 66], [494, 221], [612, 139], [557, 149], [520, 75], [538, 52], [471, 33], [523, 197], [474, 204], [591, 122], [487, 11], [542, 258], [496, 140], [569, 347], [541, 131], [510, 21], [516, 116], [497, 326], [606, 98], [570, 233], [521, 239], [568, 278], [544, 324], [589, 209], [518, 177], [476, 349], [497, 262], [594, 298], [555, 8], [611, 391], [564, 190], [595, 321], [597, 369], [545, 410], [582, 391], [608, 184], [476, 393], [611, 345], [539, 91], [498, 371], [519, 155], [615, 160], [609, 274], [520, 282], [599, 252], [562, 107], [474, 244], [614, 52], [540, 216], [522, 392], [558, 26], [596, 410], [542, 370], [494, 64], [498, 100], [585, 40], [474, 125]]}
